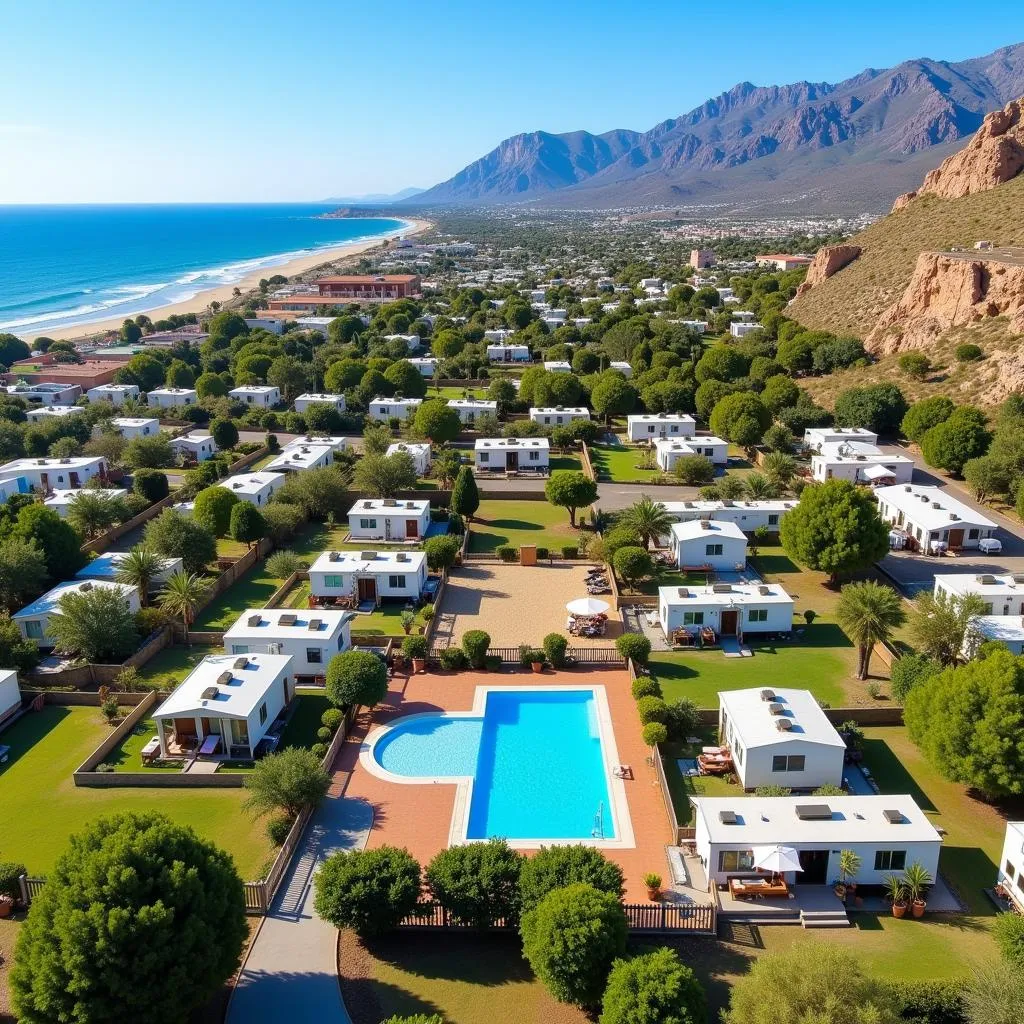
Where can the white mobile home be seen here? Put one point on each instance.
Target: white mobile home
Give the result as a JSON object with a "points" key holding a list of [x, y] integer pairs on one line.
{"points": [[412, 341], [419, 452], [306, 456], [860, 462], [470, 408], [10, 694], [198, 447], [47, 394], [669, 452], [389, 519], [105, 566], [34, 619], [1011, 864], [888, 833], [780, 738], [116, 394], [225, 706], [931, 518], [256, 488], [741, 330], [747, 515], [508, 353], [303, 402], [648, 426], [426, 365], [53, 474], [310, 638], [1007, 630], [512, 454], [624, 368], [384, 409], [261, 395], [61, 500], [816, 437], [136, 426], [557, 366], [730, 609], [558, 415], [716, 544], [362, 576], [52, 412], [10, 485], [172, 398], [336, 442], [1003, 594]]}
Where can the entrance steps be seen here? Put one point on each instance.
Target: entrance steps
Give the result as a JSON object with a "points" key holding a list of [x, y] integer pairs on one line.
{"points": [[824, 918]]}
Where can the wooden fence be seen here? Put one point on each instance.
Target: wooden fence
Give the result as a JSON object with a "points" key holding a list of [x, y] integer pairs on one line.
{"points": [[640, 917], [588, 466], [104, 540]]}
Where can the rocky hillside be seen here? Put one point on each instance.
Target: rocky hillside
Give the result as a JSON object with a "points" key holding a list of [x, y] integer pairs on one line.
{"points": [[915, 280], [855, 143]]}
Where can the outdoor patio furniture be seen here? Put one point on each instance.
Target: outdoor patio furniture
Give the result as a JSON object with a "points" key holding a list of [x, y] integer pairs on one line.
{"points": [[721, 751], [758, 888], [707, 637], [683, 638], [151, 749], [209, 746], [622, 771]]}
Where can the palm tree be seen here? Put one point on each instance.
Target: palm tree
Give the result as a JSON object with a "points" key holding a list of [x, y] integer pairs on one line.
{"points": [[759, 488], [868, 613], [139, 568], [181, 596], [779, 467], [649, 519], [93, 511]]}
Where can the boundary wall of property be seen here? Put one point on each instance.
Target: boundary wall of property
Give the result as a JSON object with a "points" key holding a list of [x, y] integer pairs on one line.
{"points": [[890, 714], [79, 677]]}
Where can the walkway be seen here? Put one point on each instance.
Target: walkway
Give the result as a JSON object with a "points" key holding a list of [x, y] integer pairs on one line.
{"points": [[292, 970]]}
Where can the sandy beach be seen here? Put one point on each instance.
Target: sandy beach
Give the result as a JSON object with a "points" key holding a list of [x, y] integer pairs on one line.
{"points": [[225, 293]]}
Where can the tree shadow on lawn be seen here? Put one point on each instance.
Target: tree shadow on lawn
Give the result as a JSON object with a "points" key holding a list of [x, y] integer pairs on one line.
{"points": [[29, 730], [716, 963], [892, 776], [775, 565], [472, 957]]}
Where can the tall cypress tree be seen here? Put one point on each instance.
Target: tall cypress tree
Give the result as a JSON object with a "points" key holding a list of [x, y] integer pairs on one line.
{"points": [[465, 496]]}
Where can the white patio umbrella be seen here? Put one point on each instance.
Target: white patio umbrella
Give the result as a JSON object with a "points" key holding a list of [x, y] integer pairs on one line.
{"points": [[587, 606], [776, 858]]}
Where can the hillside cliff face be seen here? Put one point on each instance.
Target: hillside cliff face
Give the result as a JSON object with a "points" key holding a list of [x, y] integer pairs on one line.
{"points": [[863, 140], [828, 260]]}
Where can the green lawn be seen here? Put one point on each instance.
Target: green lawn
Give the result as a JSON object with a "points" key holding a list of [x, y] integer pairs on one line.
{"points": [[128, 756], [41, 806], [620, 464], [518, 523], [302, 726], [570, 462], [168, 668], [385, 621]]}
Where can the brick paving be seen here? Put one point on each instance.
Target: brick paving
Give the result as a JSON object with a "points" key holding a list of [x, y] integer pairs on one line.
{"points": [[418, 817], [516, 604]]}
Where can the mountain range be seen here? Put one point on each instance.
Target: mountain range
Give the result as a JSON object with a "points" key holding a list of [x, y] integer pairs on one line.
{"points": [[849, 146], [377, 198]]}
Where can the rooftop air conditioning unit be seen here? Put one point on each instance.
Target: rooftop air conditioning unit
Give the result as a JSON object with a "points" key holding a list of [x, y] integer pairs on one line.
{"points": [[410, 504], [210, 692], [314, 625], [813, 812], [907, 488], [334, 556], [935, 504], [224, 678], [783, 724], [683, 592], [687, 504], [727, 817], [367, 556], [236, 486], [367, 504], [390, 503], [288, 619], [954, 516], [721, 588], [767, 695], [254, 620], [775, 708], [763, 590], [893, 817], [705, 524], [401, 557], [241, 663]]}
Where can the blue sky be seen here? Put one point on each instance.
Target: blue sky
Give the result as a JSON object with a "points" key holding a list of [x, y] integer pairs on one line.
{"points": [[230, 101]]}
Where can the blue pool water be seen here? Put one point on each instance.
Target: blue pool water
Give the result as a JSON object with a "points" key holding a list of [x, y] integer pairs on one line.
{"points": [[535, 757]]}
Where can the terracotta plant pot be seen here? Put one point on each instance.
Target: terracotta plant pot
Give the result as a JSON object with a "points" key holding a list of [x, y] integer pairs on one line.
{"points": [[419, 664], [899, 909], [654, 895], [537, 666], [6, 906], [917, 908]]}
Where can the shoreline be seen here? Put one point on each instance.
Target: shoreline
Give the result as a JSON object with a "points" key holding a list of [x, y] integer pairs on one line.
{"points": [[224, 293]]}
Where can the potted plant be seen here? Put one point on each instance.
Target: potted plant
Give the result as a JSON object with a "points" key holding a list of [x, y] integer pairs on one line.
{"points": [[653, 883], [917, 882], [849, 865], [415, 648], [407, 618], [537, 660], [6, 905], [896, 891]]}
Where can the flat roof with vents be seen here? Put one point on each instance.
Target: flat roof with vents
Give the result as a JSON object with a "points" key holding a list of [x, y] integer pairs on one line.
{"points": [[758, 719], [374, 562], [785, 820], [983, 584], [727, 594], [268, 626], [698, 529], [391, 507]]}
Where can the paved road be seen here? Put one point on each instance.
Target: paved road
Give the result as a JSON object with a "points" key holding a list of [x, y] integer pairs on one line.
{"points": [[292, 970]]}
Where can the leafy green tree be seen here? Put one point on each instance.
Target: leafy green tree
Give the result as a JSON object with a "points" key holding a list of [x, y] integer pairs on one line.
{"points": [[290, 376], [157, 943], [224, 327], [653, 988], [965, 721], [694, 470], [796, 354], [960, 437], [446, 465], [923, 415], [987, 475], [571, 938], [478, 884], [778, 439], [441, 552], [633, 565], [722, 362], [12, 348], [148, 452], [612, 395], [318, 492], [140, 568], [246, 523], [465, 498], [377, 438], [908, 672], [877, 407], [150, 484], [554, 867], [868, 612], [811, 981], [210, 385], [224, 432], [97, 623], [916, 365], [741, 418], [55, 538], [182, 596], [779, 393], [436, 420], [648, 519], [835, 528], [15, 651], [383, 476], [570, 489], [91, 512], [22, 572], [322, 418], [369, 891], [942, 626], [406, 379], [178, 536], [212, 509], [291, 780], [994, 994], [179, 375], [356, 678]]}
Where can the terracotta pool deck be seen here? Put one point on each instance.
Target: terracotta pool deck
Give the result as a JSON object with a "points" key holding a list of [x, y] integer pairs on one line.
{"points": [[418, 817]]}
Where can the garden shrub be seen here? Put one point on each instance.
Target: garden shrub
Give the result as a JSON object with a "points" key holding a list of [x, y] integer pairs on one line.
{"points": [[652, 709], [645, 686], [10, 872], [453, 659], [542, 553], [654, 733], [570, 551], [938, 1001], [415, 646], [555, 646], [370, 891], [478, 884], [651, 988], [506, 552], [554, 867], [968, 353], [332, 718], [324, 734], [319, 750], [492, 663], [150, 484], [571, 938], [475, 644], [1009, 935], [356, 677], [634, 646], [278, 828], [683, 718], [289, 780]]}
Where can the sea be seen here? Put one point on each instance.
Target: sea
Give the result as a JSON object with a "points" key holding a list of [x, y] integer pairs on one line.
{"points": [[61, 266]]}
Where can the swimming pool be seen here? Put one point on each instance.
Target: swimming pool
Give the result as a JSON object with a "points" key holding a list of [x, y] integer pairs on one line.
{"points": [[532, 764]]}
